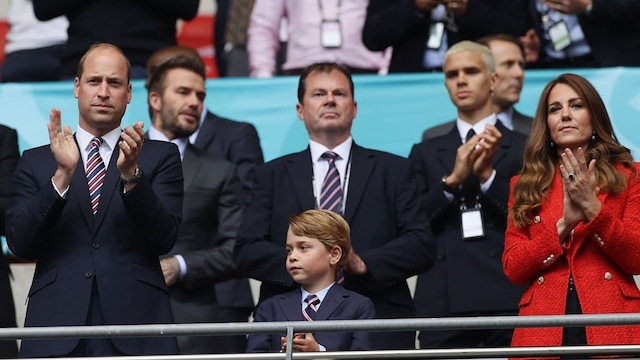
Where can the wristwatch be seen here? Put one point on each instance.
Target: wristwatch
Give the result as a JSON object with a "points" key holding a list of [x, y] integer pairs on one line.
{"points": [[447, 188], [137, 175]]}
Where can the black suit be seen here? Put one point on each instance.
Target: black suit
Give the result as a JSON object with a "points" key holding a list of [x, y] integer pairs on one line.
{"points": [[211, 213], [521, 124], [467, 277], [388, 230], [397, 23], [612, 30], [9, 155], [237, 142]]}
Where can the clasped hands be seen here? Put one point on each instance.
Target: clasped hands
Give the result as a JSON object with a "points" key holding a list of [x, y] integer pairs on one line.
{"points": [[580, 189], [476, 156], [301, 342]]}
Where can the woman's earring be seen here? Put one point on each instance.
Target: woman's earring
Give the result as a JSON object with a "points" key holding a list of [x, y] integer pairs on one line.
{"points": [[593, 135], [552, 144]]}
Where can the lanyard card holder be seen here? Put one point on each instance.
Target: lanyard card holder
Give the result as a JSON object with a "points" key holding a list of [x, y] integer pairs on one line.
{"points": [[471, 222], [436, 33], [330, 34], [558, 32]]}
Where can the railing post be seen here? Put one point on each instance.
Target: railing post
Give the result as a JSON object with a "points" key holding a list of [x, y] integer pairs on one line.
{"points": [[289, 354]]}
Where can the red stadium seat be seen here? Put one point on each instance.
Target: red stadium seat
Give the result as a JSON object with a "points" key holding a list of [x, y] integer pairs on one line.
{"points": [[198, 34]]}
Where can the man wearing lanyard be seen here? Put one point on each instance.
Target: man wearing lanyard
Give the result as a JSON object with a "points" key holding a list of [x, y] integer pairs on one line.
{"points": [[464, 177], [375, 191]]}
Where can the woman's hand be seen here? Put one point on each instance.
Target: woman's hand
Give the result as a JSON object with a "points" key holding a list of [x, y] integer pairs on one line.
{"points": [[580, 183]]}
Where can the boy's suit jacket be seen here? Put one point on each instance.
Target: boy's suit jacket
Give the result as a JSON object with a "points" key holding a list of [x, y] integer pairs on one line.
{"points": [[339, 304], [114, 252]]}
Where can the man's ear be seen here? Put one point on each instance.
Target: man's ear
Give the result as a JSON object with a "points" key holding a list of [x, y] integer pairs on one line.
{"points": [[155, 101]]}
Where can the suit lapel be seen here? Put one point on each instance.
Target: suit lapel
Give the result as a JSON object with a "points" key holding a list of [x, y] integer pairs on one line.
{"points": [[300, 172], [362, 164], [335, 297], [447, 148], [505, 143], [207, 131], [110, 187], [291, 305], [189, 165]]}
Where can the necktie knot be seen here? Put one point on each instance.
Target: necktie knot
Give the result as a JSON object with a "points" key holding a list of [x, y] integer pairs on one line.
{"points": [[311, 310], [96, 142], [330, 156], [471, 133]]}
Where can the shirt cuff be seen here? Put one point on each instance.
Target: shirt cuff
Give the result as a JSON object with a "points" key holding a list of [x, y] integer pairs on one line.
{"points": [[62, 194], [183, 266], [485, 187]]}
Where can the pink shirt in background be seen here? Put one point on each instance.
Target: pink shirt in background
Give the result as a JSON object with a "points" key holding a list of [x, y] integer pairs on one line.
{"points": [[304, 18]]}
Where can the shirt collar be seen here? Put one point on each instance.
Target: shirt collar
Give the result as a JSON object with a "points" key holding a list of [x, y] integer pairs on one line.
{"points": [[320, 294], [84, 138], [318, 149], [506, 118], [464, 127], [155, 134]]}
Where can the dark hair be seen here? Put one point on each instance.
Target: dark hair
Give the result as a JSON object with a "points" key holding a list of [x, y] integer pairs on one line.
{"points": [[325, 67], [93, 47], [486, 41], [156, 81]]}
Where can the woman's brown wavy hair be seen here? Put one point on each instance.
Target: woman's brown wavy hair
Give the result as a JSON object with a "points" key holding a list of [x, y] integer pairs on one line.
{"points": [[541, 157]]}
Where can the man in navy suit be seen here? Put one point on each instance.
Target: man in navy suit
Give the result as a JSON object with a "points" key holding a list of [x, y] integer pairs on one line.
{"points": [[97, 254], [212, 206], [390, 237], [464, 178], [317, 248]]}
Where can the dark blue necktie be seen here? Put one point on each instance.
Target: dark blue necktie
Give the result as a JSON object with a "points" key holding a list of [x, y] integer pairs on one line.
{"points": [[311, 310]]}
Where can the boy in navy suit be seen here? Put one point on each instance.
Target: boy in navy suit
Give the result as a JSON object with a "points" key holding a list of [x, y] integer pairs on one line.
{"points": [[318, 243]]}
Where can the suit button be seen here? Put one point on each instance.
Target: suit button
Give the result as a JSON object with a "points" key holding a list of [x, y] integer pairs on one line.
{"points": [[608, 276], [95, 245], [537, 219], [545, 261], [541, 280], [88, 274]]}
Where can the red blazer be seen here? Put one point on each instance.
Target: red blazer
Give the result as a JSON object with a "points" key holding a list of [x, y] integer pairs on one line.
{"points": [[602, 257]]}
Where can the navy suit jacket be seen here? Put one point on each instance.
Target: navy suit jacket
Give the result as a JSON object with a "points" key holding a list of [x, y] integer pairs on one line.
{"points": [[237, 142], [467, 277], [397, 23], [339, 304], [114, 252], [388, 230]]}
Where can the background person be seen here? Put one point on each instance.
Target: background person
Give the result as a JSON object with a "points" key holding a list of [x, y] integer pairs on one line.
{"points": [[572, 234]]}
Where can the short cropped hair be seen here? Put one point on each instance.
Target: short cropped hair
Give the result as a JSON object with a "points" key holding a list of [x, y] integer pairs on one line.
{"points": [[466, 45], [93, 47], [325, 67], [156, 81], [328, 227]]}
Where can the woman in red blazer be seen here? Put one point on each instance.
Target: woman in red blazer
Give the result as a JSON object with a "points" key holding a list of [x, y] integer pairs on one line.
{"points": [[574, 211]]}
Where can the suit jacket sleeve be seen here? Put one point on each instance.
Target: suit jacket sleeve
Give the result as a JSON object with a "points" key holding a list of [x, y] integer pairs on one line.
{"points": [[216, 263], [390, 22], [434, 201], [389, 263], [261, 342], [9, 155], [246, 153], [257, 255], [363, 340]]}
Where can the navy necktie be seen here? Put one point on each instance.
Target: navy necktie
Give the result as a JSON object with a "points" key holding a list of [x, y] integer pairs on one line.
{"points": [[311, 310], [331, 192]]}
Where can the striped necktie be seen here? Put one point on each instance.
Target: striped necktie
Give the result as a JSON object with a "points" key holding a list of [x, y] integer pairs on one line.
{"points": [[311, 310], [95, 173], [331, 192]]}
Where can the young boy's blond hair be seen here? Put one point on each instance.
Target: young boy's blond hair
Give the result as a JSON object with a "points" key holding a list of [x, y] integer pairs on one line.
{"points": [[326, 226]]}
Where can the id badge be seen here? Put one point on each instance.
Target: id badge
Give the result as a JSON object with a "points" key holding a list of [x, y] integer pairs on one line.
{"points": [[436, 32], [472, 225], [559, 35], [330, 34]]}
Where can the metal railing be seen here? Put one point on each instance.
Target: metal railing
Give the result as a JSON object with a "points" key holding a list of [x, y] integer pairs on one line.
{"points": [[459, 323]]}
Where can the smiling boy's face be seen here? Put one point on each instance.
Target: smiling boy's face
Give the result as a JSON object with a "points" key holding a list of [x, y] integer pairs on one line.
{"points": [[310, 263]]}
